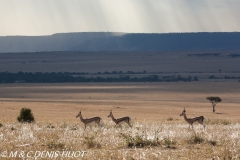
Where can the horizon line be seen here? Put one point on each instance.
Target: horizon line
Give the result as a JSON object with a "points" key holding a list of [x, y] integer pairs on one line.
{"points": [[117, 32]]}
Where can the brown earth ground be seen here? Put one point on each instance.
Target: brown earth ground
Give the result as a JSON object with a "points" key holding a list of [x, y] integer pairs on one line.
{"points": [[141, 101]]}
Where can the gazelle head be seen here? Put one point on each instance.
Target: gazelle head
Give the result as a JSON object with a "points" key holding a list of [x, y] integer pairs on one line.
{"points": [[183, 112], [78, 114], [110, 113]]}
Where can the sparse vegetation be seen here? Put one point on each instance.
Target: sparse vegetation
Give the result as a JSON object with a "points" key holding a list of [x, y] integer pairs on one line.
{"points": [[25, 115], [1, 124]]}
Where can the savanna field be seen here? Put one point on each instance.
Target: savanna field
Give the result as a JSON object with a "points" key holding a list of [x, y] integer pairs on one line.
{"points": [[158, 132]]}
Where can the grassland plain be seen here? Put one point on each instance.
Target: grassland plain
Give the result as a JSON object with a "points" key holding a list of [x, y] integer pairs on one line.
{"points": [[158, 131], [93, 62]]}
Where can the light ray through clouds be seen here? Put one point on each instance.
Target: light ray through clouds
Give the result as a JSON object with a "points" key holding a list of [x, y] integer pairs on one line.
{"points": [[44, 17]]}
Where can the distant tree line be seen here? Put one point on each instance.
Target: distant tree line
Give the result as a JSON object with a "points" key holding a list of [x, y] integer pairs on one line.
{"points": [[204, 54], [61, 77], [233, 55], [225, 77]]}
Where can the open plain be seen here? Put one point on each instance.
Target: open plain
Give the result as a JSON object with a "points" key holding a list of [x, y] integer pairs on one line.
{"points": [[142, 101], [158, 131]]}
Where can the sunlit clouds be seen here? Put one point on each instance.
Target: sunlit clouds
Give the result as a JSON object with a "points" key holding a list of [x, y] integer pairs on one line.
{"points": [[44, 17]]}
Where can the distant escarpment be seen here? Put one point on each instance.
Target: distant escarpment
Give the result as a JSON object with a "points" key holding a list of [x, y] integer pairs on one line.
{"points": [[115, 42]]}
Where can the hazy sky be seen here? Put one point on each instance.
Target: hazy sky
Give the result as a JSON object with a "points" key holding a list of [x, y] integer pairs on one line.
{"points": [[44, 17]]}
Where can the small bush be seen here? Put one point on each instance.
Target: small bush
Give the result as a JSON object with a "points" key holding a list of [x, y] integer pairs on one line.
{"points": [[91, 143], [74, 128], [169, 143], [1, 124], [195, 139], [25, 115], [139, 141], [169, 119], [55, 145], [50, 126], [64, 125], [213, 143]]}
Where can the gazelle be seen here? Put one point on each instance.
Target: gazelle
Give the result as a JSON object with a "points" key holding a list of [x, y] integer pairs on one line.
{"points": [[87, 121], [200, 119], [120, 120]]}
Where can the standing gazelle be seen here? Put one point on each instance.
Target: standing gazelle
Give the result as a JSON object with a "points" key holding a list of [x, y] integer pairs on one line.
{"points": [[86, 121], [200, 119], [120, 120]]}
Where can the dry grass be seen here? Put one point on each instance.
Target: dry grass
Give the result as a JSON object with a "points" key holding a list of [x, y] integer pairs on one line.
{"points": [[158, 141], [158, 131]]}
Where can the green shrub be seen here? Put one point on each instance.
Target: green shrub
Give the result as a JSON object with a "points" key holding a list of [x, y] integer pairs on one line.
{"points": [[25, 115], [1, 124]]}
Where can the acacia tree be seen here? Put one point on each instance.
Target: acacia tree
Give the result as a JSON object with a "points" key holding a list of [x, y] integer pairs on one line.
{"points": [[214, 101]]}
